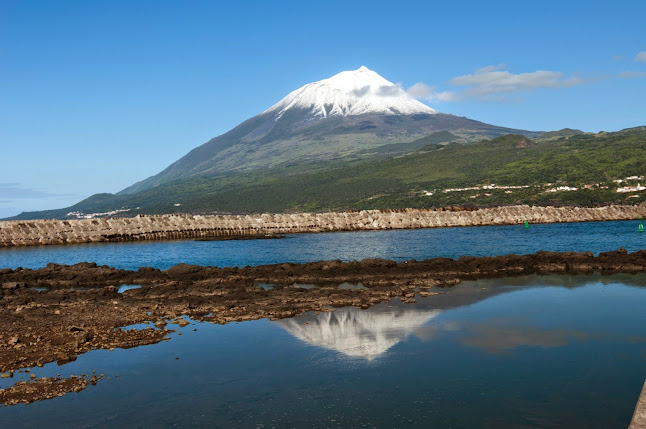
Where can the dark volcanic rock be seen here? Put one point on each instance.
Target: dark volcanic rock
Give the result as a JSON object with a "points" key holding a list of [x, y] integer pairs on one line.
{"points": [[64, 321]]}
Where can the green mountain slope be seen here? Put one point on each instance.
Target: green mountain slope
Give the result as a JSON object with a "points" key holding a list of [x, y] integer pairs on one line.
{"points": [[262, 142], [512, 160], [565, 132]]}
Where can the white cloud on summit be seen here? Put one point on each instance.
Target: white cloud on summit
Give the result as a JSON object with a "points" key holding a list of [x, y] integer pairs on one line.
{"points": [[388, 91], [422, 91]]}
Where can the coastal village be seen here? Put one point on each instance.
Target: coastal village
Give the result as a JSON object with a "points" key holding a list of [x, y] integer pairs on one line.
{"points": [[629, 185]]}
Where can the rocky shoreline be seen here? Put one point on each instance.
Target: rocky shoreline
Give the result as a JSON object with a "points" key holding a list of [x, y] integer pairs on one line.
{"points": [[59, 312], [26, 392], [168, 227]]}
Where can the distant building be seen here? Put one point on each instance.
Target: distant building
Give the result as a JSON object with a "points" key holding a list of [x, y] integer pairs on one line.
{"points": [[637, 188], [561, 188]]}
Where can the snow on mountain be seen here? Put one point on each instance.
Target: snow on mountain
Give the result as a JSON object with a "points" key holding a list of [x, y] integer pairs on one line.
{"points": [[354, 92], [365, 113]]}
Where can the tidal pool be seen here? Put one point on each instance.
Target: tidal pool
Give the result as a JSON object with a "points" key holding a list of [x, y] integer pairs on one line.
{"points": [[535, 351]]}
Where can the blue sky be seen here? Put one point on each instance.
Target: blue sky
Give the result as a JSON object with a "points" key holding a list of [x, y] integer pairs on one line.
{"points": [[96, 95]]}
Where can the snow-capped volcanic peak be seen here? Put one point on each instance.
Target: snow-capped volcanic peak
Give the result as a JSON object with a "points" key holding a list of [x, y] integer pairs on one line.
{"points": [[355, 92]]}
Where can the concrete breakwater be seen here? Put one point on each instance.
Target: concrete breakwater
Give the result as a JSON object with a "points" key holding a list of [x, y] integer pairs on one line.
{"points": [[165, 227]]}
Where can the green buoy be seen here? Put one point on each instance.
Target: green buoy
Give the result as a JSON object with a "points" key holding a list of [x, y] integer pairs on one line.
{"points": [[641, 225], [527, 223]]}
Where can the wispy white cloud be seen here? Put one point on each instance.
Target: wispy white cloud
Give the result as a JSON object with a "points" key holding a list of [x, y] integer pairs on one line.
{"points": [[15, 190], [389, 90], [630, 74], [494, 80], [497, 337], [641, 57], [496, 83], [421, 91], [489, 69], [16, 198]]}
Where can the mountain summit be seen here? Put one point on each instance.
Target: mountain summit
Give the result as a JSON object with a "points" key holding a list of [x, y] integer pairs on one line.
{"points": [[352, 115], [356, 92]]}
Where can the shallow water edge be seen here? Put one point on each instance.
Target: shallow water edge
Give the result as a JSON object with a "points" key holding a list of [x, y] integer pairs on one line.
{"points": [[537, 351], [58, 312]]}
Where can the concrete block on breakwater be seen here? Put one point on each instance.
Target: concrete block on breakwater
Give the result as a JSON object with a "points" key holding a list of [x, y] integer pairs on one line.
{"points": [[639, 417], [165, 227]]}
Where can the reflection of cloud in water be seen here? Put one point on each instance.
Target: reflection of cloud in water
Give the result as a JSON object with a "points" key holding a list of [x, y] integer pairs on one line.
{"points": [[498, 336], [562, 280], [370, 333], [358, 333]]}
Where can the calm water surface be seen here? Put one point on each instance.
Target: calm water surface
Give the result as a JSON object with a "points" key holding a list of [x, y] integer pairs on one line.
{"points": [[394, 244], [551, 351], [536, 351]]}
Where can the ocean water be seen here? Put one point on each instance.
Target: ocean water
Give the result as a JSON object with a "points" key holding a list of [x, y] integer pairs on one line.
{"points": [[398, 245], [535, 351]]}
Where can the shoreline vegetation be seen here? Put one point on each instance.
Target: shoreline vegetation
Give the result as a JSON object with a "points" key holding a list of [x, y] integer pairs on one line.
{"points": [[210, 227], [59, 312]]}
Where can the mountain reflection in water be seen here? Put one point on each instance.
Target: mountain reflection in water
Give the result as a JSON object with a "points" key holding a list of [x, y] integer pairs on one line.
{"points": [[358, 333], [370, 333], [534, 351]]}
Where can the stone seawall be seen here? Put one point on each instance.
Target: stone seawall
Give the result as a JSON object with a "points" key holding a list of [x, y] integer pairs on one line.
{"points": [[165, 227]]}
